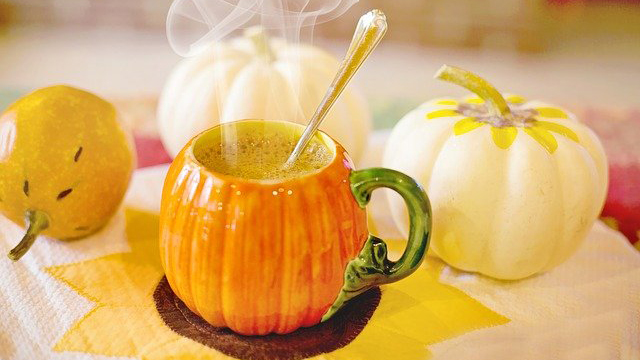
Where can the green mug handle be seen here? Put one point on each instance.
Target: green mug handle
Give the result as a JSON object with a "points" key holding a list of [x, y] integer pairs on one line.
{"points": [[372, 267]]}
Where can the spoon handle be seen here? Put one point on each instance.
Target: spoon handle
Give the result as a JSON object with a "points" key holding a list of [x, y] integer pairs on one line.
{"points": [[370, 30]]}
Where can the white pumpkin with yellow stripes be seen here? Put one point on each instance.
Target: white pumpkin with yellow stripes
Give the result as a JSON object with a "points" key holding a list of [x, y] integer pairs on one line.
{"points": [[515, 185]]}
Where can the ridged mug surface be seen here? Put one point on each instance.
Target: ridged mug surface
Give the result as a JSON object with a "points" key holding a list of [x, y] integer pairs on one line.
{"points": [[259, 256]]}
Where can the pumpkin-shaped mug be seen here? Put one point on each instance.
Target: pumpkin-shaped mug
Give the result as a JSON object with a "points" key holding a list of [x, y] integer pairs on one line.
{"points": [[271, 256]]}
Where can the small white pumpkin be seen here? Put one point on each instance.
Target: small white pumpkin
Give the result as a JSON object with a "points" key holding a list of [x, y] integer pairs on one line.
{"points": [[253, 77], [514, 185]]}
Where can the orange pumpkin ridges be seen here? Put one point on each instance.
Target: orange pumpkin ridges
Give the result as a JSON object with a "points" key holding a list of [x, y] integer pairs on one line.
{"points": [[263, 269]]}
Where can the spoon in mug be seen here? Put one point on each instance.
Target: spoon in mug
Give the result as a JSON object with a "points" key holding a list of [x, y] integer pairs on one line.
{"points": [[370, 30]]}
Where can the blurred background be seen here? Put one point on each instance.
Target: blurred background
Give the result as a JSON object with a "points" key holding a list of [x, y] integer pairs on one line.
{"points": [[568, 51]]}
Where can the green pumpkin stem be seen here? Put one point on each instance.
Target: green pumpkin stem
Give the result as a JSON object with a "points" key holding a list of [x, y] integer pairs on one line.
{"points": [[260, 41], [496, 104], [38, 221]]}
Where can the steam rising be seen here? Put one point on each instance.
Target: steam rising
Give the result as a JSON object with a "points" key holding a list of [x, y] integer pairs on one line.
{"points": [[247, 61], [192, 25]]}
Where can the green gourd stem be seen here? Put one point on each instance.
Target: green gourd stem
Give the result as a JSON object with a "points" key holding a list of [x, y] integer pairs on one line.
{"points": [[496, 104], [38, 221], [260, 41], [372, 266]]}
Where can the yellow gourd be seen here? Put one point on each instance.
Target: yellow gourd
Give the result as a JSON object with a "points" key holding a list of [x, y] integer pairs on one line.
{"points": [[65, 164]]}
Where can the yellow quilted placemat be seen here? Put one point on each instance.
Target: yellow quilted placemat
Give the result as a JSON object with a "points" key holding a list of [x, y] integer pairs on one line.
{"points": [[413, 313], [93, 299]]}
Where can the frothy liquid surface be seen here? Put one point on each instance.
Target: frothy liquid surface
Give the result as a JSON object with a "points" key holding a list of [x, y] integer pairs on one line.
{"points": [[263, 157]]}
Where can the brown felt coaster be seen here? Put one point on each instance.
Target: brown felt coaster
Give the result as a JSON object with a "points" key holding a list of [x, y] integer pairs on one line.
{"points": [[325, 337]]}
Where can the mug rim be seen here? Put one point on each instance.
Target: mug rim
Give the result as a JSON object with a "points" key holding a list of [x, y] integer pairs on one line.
{"points": [[189, 154]]}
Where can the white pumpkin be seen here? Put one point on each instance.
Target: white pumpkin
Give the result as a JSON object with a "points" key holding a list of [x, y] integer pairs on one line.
{"points": [[252, 77], [514, 185]]}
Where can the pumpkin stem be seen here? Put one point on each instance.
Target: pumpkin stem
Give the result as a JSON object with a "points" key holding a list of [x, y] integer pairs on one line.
{"points": [[260, 41], [38, 221], [496, 104]]}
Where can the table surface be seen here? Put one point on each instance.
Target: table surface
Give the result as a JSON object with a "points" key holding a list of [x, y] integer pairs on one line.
{"points": [[100, 292]]}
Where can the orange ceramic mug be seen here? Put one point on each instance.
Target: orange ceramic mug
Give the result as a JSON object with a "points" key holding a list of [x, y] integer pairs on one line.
{"points": [[263, 256]]}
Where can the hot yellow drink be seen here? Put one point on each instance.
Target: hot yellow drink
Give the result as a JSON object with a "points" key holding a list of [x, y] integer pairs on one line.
{"points": [[250, 153], [285, 253]]}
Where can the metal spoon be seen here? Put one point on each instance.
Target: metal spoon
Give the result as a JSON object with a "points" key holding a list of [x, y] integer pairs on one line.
{"points": [[370, 30]]}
